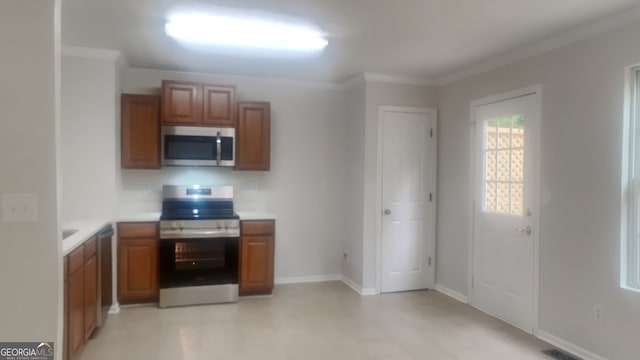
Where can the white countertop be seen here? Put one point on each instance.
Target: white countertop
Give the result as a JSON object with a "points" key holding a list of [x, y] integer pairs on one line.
{"points": [[155, 216], [86, 230], [139, 217], [255, 215], [89, 228]]}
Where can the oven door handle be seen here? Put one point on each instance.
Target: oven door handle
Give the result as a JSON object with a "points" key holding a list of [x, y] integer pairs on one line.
{"points": [[182, 234]]}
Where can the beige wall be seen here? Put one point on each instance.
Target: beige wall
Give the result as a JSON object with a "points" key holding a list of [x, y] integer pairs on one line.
{"points": [[90, 100], [30, 261], [353, 202], [582, 110]]}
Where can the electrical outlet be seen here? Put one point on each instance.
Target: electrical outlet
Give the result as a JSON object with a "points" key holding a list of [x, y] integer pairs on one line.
{"points": [[598, 315], [19, 208]]}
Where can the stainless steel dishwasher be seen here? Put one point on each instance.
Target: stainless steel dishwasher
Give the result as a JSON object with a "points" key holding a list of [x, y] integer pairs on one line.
{"points": [[105, 281]]}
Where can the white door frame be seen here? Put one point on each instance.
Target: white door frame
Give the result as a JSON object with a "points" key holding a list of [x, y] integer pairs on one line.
{"points": [[431, 213], [530, 90]]}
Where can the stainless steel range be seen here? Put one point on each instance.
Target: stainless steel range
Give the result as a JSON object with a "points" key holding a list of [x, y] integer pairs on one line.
{"points": [[199, 236]]}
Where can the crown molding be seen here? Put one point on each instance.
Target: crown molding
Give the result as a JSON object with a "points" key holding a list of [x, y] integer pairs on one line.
{"points": [[353, 81], [396, 79], [582, 33], [92, 53]]}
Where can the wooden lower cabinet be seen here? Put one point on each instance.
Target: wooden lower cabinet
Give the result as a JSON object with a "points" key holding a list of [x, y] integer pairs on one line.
{"points": [[80, 298], [65, 310], [90, 295], [137, 263], [76, 303], [257, 244]]}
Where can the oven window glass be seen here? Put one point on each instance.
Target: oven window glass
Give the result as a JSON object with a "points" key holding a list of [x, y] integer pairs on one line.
{"points": [[193, 255], [196, 262], [181, 147]]}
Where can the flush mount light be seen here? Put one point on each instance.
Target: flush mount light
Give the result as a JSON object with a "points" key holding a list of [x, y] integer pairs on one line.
{"points": [[234, 31]]}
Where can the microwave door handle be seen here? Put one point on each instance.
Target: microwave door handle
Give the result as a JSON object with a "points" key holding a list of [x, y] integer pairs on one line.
{"points": [[218, 148]]}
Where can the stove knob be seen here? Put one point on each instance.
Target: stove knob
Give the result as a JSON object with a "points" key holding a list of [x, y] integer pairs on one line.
{"points": [[181, 225], [174, 225]]}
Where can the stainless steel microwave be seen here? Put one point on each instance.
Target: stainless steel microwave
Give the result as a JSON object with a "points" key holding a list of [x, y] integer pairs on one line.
{"points": [[198, 146]]}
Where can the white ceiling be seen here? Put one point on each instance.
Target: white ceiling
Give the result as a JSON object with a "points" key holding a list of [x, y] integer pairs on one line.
{"points": [[425, 39]]}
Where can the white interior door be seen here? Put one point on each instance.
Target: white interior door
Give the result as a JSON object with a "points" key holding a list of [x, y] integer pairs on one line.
{"points": [[505, 209], [408, 183]]}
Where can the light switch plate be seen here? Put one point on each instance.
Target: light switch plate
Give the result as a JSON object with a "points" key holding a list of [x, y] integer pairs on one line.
{"points": [[19, 208]]}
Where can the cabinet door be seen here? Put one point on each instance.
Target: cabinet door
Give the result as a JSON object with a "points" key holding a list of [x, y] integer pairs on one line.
{"points": [[137, 263], [219, 105], [76, 313], [140, 132], [90, 295], [181, 103], [254, 136], [256, 257], [65, 311]]}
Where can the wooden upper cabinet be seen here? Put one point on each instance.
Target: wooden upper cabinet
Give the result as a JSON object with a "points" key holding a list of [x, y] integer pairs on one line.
{"points": [[219, 108], [140, 132], [197, 104], [181, 103], [253, 136]]}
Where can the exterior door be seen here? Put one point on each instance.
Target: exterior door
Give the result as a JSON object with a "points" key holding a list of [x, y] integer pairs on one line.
{"points": [[408, 190], [505, 209]]}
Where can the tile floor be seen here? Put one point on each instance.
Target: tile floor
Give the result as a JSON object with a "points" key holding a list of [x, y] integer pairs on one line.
{"points": [[314, 321]]}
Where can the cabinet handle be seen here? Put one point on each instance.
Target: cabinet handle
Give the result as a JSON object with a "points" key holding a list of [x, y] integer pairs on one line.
{"points": [[218, 148]]}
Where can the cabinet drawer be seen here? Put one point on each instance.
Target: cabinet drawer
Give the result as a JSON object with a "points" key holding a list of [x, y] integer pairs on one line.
{"points": [[137, 230], [90, 248], [76, 259], [257, 227]]}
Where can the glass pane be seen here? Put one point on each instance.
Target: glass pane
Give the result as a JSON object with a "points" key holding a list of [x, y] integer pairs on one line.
{"points": [[490, 165], [517, 138], [491, 138], [504, 138], [503, 198], [503, 165], [517, 199], [490, 197], [517, 165], [518, 121]]}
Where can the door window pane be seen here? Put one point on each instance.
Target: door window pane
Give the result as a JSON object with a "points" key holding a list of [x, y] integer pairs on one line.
{"points": [[504, 165]]}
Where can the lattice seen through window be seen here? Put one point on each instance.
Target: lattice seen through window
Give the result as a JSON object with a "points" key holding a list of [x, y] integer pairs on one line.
{"points": [[504, 165]]}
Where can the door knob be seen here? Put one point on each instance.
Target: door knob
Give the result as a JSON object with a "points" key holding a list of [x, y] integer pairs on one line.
{"points": [[387, 212], [526, 230]]}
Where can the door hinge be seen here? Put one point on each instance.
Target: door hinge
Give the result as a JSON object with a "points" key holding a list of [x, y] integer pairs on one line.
{"points": [[430, 197], [429, 260], [431, 132]]}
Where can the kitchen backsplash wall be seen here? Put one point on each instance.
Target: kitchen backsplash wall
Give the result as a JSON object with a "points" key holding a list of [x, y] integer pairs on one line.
{"points": [[142, 189], [304, 188]]}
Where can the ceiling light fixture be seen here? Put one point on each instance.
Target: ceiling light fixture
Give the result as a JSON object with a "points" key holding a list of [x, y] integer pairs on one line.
{"points": [[243, 32]]}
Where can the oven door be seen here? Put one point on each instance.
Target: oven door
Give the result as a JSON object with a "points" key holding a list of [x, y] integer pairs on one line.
{"points": [[198, 262], [198, 146]]}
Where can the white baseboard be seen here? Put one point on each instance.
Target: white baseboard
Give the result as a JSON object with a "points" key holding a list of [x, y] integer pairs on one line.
{"points": [[307, 279], [357, 288], [452, 293], [568, 347]]}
